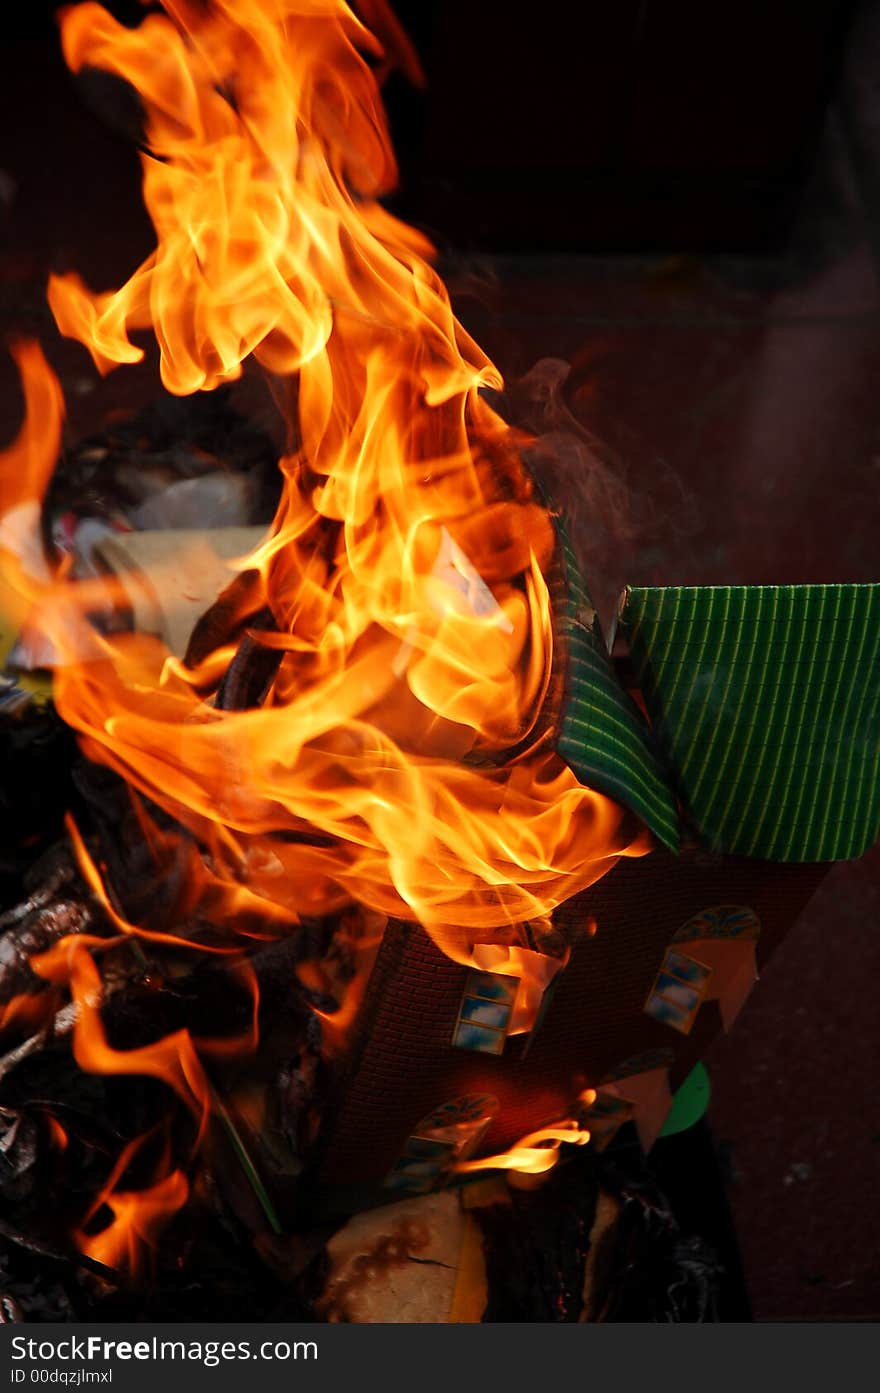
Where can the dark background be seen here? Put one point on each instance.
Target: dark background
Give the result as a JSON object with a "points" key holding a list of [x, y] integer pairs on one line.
{"points": [[682, 202], [640, 125]]}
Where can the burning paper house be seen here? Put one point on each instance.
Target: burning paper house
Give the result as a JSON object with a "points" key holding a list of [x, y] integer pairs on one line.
{"points": [[758, 769], [386, 783]]}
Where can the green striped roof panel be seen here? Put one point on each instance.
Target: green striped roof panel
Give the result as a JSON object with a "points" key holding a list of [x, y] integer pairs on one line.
{"points": [[603, 737], [766, 702]]}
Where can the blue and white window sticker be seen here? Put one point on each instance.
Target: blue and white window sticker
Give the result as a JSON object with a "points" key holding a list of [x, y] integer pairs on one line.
{"points": [[445, 1136], [678, 991], [485, 1012]]}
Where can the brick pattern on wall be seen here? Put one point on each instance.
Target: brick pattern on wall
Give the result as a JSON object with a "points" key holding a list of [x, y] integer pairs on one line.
{"points": [[402, 1063]]}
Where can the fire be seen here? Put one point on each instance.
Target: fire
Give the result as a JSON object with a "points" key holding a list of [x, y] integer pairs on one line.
{"points": [[362, 942], [27, 466], [533, 1154], [24, 1013], [538, 1152], [405, 568], [176, 1058], [60, 1139], [401, 758], [138, 1218], [138, 1215]]}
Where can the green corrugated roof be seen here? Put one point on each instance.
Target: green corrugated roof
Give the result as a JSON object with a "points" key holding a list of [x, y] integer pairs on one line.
{"points": [[603, 736], [766, 702]]}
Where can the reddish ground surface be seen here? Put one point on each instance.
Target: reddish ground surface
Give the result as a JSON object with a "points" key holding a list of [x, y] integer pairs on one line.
{"points": [[738, 404]]}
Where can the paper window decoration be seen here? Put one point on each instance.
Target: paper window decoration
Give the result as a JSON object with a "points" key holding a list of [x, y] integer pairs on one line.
{"points": [[679, 991], [485, 1011], [422, 1165], [605, 1117], [641, 1063], [721, 921], [443, 1137]]}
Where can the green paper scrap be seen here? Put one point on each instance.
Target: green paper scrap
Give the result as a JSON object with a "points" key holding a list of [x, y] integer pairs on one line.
{"points": [[689, 1103], [245, 1161], [603, 736], [766, 703]]}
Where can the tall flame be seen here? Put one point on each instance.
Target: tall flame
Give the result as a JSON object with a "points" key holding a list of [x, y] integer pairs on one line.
{"points": [[400, 758], [405, 568]]}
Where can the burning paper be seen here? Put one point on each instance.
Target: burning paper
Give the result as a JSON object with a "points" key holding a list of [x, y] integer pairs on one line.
{"points": [[397, 754]]}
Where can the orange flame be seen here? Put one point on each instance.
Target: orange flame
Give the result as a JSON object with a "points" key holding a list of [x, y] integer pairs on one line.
{"points": [[172, 1059], [402, 756], [175, 1058], [534, 1153], [138, 1215], [25, 1012], [336, 1025], [538, 1152], [96, 885], [27, 466], [60, 1139], [405, 569]]}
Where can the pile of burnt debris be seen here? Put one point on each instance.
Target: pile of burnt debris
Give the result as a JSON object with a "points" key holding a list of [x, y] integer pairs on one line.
{"points": [[120, 1200]]}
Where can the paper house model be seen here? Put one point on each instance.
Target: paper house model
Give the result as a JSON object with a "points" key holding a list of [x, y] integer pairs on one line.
{"points": [[740, 724]]}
